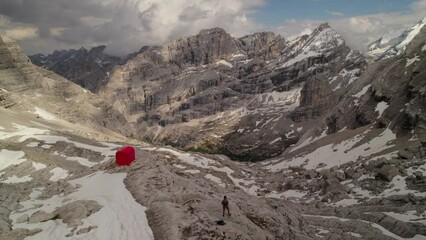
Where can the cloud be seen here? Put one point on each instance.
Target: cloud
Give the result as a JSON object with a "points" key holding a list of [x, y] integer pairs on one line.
{"points": [[358, 31], [293, 28], [335, 13], [123, 25], [127, 25], [21, 33], [57, 31]]}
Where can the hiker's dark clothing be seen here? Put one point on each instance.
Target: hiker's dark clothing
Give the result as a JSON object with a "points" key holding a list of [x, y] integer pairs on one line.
{"points": [[225, 206]]}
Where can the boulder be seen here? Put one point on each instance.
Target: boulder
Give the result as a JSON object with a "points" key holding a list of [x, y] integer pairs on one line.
{"points": [[388, 172], [22, 219], [405, 154], [418, 175], [41, 216], [340, 175]]}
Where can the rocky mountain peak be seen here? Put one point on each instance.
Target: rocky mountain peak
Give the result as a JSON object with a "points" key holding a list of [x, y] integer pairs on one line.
{"points": [[87, 68], [323, 26], [210, 31], [16, 71], [395, 43]]}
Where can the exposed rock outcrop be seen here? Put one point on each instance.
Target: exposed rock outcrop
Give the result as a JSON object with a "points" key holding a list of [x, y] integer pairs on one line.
{"points": [[199, 82], [87, 68]]}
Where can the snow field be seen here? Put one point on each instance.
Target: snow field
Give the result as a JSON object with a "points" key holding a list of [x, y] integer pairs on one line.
{"points": [[336, 154], [120, 217]]}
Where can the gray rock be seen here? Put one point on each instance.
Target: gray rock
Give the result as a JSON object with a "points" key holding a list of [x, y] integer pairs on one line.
{"points": [[388, 172], [340, 175], [86, 230], [22, 219], [418, 175], [405, 154], [4, 226], [41, 216], [73, 213]]}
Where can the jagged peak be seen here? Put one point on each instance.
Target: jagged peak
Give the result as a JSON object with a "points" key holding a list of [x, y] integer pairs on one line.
{"points": [[323, 26], [212, 31], [395, 44]]}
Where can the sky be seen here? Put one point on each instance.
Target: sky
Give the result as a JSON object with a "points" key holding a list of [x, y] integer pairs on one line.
{"points": [[125, 26]]}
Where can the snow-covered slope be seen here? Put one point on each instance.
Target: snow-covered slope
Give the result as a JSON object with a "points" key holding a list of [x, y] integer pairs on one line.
{"points": [[321, 42], [394, 44]]}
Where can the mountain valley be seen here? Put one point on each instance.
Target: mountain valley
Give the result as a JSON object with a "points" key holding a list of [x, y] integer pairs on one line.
{"points": [[308, 139]]}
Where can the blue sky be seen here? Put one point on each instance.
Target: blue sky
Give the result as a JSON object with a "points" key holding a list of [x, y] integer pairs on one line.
{"points": [[277, 11]]}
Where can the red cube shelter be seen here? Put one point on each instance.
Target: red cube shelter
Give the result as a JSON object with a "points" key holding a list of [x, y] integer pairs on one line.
{"points": [[125, 156]]}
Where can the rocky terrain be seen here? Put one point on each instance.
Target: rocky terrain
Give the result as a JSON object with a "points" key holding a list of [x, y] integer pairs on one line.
{"points": [[206, 91], [87, 68], [24, 86], [344, 141]]}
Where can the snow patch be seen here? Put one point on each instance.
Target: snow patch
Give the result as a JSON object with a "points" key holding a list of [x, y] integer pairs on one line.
{"points": [[8, 158], [300, 57], [120, 217], [58, 173], [338, 153], [21, 131], [179, 166], [412, 60], [215, 179], [362, 92], [39, 166], [274, 141], [289, 194], [15, 179], [223, 62], [32, 144], [381, 107], [413, 33], [45, 114]]}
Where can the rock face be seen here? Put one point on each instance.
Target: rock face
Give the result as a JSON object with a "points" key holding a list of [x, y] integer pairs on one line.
{"points": [[17, 71], [391, 92], [26, 86], [87, 68], [183, 93]]}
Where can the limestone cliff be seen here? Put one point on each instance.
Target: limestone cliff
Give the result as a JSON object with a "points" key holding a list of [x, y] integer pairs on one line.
{"points": [[184, 92], [26, 86]]}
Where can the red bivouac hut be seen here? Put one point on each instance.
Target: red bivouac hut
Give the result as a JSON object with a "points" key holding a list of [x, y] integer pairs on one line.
{"points": [[125, 156]]}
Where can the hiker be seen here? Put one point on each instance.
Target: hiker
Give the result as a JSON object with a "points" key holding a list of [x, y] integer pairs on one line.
{"points": [[225, 206]]}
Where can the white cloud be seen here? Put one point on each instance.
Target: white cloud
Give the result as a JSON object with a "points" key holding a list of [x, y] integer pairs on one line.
{"points": [[94, 21], [335, 13], [292, 28], [127, 25], [21, 33], [358, 31], [57, 31]]}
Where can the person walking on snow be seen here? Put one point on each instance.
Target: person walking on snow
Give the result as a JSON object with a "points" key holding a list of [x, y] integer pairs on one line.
{"points": [[225, 206]]}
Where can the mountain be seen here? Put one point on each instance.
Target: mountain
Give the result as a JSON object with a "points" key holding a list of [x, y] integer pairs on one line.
{"points": [[87, 68], [239, 96], [347, 139], [394, 44], [26, 86]]}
